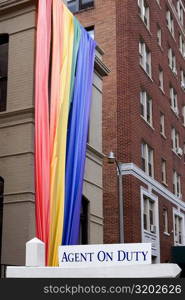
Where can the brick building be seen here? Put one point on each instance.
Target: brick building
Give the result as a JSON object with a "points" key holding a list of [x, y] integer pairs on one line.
{"points": [[143, 117]]}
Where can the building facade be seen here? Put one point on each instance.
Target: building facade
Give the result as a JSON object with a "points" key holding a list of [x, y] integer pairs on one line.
{"points": [[17, 190], [143, 117]]}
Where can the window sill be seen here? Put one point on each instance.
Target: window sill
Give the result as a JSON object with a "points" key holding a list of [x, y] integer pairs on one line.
{"points": [[166, 233], [162, 91], [171, 33], [159, 5], [183, 88], [174, 74], [160, 47], [177, 156], [146, 73], [164, 183], [151, 233], [183, 56], [163, 136], [147, 28], [147, 123], [177, 115]]}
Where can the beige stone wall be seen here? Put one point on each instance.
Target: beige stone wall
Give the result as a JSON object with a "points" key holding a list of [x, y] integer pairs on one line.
{"points": [[17, 135], [92, 188]]}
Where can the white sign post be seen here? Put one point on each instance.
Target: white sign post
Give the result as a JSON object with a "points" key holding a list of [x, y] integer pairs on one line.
{"points": [[81, 256]]}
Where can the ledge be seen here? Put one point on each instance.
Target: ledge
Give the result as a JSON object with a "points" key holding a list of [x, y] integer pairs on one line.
{"points": [[148, 75], [147, 123], [8, 4], [7, 114], [100, 67], [96, 152]]}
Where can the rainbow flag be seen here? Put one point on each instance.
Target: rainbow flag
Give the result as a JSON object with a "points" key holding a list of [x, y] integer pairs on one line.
{"points": [[61, 123]]}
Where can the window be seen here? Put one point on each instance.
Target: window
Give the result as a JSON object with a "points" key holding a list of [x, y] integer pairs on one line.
{"points": [[176, 184], [144, 12], [163, 168], [162, 127], [172, 61], [183, 79], [90, 30], [175, 140], [165, 220], [146, 106], [149, 214], [76, 5], [159, 35], [147, 159], [161, 82], [173, 98], [83, 234], [3, 70], [145, 57], [170, 22], [180, 12], [1, 213], [183, 114], [181, 45], [178, 230]]}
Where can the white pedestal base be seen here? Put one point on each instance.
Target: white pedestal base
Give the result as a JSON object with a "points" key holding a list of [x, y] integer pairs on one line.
{"points": [[134, 271]]}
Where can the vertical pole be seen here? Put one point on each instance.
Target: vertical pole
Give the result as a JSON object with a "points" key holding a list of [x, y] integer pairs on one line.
{"points": [[121, 208]]}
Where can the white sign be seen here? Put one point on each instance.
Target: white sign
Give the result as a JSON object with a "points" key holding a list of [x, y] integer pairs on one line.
{"points": [[104, 255]]}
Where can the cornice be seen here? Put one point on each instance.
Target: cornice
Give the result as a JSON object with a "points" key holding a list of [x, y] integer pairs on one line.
{"points": [[9, 4]]}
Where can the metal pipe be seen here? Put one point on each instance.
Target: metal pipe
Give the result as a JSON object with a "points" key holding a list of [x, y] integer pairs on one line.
{"points": [[121, 208]]}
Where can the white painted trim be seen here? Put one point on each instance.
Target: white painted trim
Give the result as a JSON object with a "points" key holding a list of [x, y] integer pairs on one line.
{"points": [[178, 213], [132, 169], [149, 194], [176, 15]]}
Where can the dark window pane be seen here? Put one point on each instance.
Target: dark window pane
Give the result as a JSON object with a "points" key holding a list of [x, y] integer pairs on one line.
{"points": [[1, 214], [3, 93], [86, 3], [145, 221], [83, 236], [3, 70], [73, 5]]}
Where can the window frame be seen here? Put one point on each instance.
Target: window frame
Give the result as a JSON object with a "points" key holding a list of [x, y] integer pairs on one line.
{"points": [[174, 100], [170, 22], [175, 139], [163, 171], [180, 12], [146, 107], [161, 79], [149, 214], [79, 5], [147, 157], [4, 40], [159, 35], [162, 124], [178, 234], [172, 61], [145, 57], [165, 221], [176, 184], [144, 12]]}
